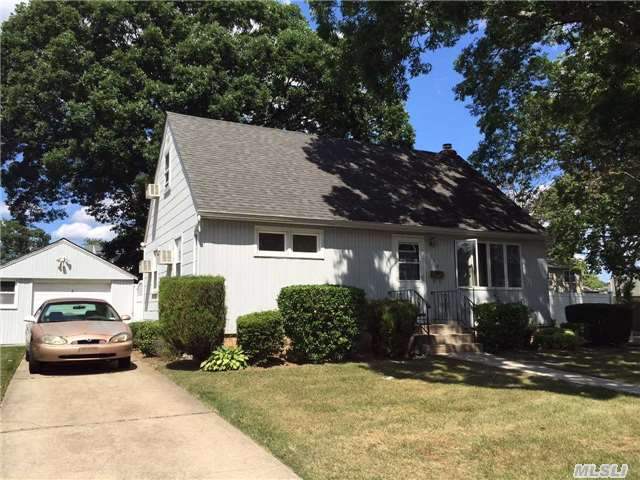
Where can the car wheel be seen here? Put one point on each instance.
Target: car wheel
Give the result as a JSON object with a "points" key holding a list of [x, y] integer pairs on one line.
{"points": [[34, 365], [124, 362]]}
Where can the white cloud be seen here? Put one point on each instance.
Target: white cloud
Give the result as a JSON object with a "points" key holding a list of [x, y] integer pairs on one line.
{"points": [[82, 231], [83, 226], [81, 215], [4, 211], [7, 7]]}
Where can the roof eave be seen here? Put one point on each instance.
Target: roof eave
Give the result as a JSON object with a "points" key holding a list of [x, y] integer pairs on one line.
{"points": [[395, 227]]}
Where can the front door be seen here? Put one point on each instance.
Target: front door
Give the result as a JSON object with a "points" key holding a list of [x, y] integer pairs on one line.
{"points": [[410, 264]]}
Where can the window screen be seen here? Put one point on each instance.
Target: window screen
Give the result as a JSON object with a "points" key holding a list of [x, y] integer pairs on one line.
{"points": [[271, 242], [513, 266], [305, 243], [409, 261]]}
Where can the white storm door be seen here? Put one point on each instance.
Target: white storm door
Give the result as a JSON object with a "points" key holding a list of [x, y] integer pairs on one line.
{"points": [[410, 264]]}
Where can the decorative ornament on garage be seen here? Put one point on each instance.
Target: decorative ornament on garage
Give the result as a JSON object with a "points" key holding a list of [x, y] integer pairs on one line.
{"points": [[63, 264]]}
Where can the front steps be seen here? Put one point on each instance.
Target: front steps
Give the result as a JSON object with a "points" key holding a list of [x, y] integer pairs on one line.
{"points": [[443, 338]]}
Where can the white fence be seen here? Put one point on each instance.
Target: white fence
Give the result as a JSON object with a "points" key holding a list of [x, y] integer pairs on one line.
{"points": [[557, 302]]}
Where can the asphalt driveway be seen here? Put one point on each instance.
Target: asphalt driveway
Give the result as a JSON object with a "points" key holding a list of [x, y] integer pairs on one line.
{"points": [[91, 422]]}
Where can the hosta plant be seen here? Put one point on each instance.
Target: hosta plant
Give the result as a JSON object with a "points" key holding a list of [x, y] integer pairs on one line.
{"points": [[225, 358]]}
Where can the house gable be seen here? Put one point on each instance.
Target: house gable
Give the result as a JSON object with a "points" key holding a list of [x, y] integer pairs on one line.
{"points": [[63, 259]]}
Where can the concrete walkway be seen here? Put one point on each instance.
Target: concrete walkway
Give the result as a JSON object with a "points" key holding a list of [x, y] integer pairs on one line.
{"points": [[533, 368], [95, 423]]}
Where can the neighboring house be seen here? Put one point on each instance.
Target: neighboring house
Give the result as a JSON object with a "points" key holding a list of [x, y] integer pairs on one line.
{"points": [[61, 269], [266, 208], [564, 279]]}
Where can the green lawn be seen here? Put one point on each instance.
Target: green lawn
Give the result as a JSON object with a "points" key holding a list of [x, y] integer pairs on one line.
{"points": [[420, 419], [611, 363], [9, 360]]}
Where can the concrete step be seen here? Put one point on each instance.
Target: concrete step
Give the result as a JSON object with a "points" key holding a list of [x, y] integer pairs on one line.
{"points": [[444, 329], [449, 338], [448, 348]]}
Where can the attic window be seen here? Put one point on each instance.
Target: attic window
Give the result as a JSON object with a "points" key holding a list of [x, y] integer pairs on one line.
{"points": [[167, 170]]}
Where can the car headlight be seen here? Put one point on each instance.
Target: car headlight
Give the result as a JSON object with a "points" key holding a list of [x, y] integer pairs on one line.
{"points": [[53, 340], [120, 337]]}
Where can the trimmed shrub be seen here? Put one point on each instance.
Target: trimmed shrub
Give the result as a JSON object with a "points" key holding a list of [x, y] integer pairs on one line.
{"points": [[192, 313], [502, 326], [601, 323], [390, 324], [553, 338], [261, 335], [322, 321], [147, 337], [225, 358]]}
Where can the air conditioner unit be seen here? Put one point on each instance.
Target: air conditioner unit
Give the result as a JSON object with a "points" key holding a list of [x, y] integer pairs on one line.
{"points": [[145, 266], [165, 257], [153, 191]]}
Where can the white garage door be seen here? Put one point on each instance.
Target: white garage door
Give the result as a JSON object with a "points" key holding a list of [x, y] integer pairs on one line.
{"points": [[69, 289]]}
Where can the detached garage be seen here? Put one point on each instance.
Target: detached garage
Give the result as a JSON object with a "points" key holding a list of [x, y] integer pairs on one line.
{"points": [[62, 269]]}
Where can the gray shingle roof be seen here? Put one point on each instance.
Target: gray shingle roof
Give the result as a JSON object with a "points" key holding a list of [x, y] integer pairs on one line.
{"points": [[243, 169]]}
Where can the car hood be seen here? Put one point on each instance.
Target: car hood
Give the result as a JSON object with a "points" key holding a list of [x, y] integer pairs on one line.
{"points": [[89, 327]]}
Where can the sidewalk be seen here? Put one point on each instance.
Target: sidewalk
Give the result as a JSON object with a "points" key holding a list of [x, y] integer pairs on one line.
{"points": [[537, 369]]}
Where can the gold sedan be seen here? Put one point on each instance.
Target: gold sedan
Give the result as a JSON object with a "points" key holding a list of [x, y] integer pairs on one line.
{"points": [[78, 329]]}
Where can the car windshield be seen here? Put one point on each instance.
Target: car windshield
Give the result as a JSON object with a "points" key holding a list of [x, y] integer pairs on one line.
{"points": [[82, 310]]}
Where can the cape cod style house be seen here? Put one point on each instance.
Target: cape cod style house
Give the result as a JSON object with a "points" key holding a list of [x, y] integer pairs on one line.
{"points": [[266, 208]]}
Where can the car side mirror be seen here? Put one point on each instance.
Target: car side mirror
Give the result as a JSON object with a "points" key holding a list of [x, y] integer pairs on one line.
{"points": [[125, 318], [30, 319]]}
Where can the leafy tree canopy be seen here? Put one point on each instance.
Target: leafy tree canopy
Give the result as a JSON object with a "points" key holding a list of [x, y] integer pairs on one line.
{"points": [[86, 84], [556, 89], [18, 240]]}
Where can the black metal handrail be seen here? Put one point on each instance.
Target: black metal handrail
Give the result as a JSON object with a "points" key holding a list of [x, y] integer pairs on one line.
{"points": [[414, 297], [452, 306]]}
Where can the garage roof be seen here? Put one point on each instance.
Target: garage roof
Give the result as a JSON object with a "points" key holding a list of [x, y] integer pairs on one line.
{"points": [[63, 259]]}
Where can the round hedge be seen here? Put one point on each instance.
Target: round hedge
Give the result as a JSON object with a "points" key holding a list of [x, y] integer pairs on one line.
{"points": [[192, 313], [261, 335], [322, 321]]}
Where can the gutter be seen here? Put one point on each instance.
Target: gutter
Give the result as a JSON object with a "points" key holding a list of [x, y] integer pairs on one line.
{"points": [[392, 227]]}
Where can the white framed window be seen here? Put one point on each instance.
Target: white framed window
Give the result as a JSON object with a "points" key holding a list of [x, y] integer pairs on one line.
{"points": [[167, 170], [488, 264], [154, 277], [294, 243], [177, 257], [409, 261], [196, 246], [8, 294]]}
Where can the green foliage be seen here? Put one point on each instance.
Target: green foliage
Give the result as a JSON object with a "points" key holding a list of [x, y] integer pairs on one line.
{"points": [[322, 321], [225, 358], [261, 335], [390, 324], [18, 240], [147, 337], [553, 338], [502, 326], [86, 84], [192, 313]]}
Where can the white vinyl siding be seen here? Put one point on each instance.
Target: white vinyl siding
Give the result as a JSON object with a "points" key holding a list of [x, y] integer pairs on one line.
{"points": [[170, 217], [362, 258]]}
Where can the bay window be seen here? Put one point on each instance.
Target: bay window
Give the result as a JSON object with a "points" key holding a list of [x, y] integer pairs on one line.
{"points": [[485, 264]]}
